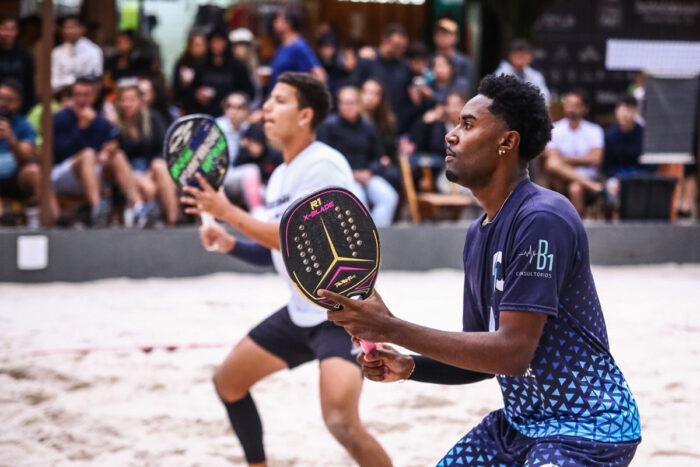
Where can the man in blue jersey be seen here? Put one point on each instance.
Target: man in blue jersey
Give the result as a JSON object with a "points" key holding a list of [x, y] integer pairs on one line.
{"points": [[531, 313]]}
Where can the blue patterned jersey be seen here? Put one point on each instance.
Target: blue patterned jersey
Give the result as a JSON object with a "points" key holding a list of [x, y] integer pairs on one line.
{"points": [[533, 257]]}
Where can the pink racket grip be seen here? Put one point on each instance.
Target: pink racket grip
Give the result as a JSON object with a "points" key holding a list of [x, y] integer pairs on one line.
{"points": [[367, 347]]}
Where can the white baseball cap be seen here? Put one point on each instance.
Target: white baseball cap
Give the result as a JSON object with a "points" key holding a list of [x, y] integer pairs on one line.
{"points": [[241, 35]]}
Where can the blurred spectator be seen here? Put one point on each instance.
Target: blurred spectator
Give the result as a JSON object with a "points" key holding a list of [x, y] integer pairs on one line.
{"points": [[61, 99], [243, 50], [252, 168], [86, 154], [185, 68], [446, 39], [333, 62], [392, 70], [446, 81], [19, 172], [219, 75], [358, 140], [418, 60], [234, 122], [294, 54], [518, 65], [75, 56], [16, 62], [141, 135], [376, 107], [121, 65], [153, 95], [428, 138], [575, 153]]}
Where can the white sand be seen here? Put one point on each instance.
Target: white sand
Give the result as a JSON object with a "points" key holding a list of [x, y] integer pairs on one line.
{"points": [[133, 408]]}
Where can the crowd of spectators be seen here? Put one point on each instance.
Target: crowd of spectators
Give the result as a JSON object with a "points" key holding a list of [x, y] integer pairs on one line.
{"points": [[111, 108]]}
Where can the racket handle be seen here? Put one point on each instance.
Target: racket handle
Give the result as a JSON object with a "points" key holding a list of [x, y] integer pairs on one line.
{"points": [[208, 220], [367, 346]]}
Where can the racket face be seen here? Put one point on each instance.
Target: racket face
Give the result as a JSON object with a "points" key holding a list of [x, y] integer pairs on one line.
{"points": [[195, 144], [329, 241]]}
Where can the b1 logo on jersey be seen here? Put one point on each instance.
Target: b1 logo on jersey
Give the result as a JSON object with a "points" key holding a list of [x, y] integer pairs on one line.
{"points": [[542, 257]]}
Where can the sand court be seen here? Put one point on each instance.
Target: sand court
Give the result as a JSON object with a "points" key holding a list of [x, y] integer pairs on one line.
{"points": [[121, 406]]}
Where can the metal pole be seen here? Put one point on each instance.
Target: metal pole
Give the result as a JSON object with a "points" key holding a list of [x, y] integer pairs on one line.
{"points": [[47, 32]]}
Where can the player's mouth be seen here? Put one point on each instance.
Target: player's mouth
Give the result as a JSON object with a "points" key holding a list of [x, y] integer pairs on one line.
{"points": [[449, 155]]}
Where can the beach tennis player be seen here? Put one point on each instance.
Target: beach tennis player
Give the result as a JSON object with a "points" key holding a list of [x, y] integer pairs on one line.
{"points": [[299, 332], [531, 314]]}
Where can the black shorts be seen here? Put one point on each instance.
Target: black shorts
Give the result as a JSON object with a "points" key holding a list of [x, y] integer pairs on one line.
{"points": [[296, 345], [9, 187]]}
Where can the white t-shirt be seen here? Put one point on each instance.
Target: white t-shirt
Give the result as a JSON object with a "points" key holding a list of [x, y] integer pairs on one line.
{"points": [[317, 166], [577, 143], [69, 61]]}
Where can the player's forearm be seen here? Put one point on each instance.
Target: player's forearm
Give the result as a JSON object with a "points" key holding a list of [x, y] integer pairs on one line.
{"points": [[593, 158], [265, 233], [485, 352], [427, 370]]}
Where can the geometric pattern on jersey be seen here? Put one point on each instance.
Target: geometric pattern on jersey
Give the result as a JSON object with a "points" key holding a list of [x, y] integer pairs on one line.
{"points": [[494, 443], [573, 386]]}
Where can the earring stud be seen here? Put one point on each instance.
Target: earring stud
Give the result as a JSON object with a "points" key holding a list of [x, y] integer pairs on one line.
{"points": [[501, 152]]}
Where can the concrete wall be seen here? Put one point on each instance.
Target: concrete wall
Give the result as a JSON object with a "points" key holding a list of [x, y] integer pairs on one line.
{"points": [[94, 254]]}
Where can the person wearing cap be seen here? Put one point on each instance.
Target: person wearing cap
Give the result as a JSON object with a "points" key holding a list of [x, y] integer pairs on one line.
{"points": [[243, 49], [518, 65], [446, 39]]}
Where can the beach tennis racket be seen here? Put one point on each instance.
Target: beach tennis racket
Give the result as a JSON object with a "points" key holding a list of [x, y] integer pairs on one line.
{"points": [[195, 144], [329, 241]]}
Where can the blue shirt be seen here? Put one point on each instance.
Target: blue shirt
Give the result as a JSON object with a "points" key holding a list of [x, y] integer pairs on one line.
{"points": [[296, 56], [69, 139], [533, 257], [23, 131]]}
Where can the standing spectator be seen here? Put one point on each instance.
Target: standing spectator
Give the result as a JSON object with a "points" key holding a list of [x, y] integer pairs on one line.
{"points": [[446, 39], [575, 153], [333, 62], [141, 135], [76, 56], [219, 75], [86, 154], [185, 68], [518, 65], [392, 70], [19, 172], [121, 65], [16, 62], [358, 140], [294, 54], [243, 50]]}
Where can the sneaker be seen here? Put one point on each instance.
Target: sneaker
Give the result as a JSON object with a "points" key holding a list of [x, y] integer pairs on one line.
{"points": [[148, 216], [99, 215]]}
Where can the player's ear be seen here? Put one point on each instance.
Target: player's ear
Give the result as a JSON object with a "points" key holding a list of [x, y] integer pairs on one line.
{"points": [[509, 142], [305, 117]]}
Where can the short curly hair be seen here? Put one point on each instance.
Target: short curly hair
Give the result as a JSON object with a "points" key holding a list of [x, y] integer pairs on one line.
{"points": [[311, 93], [522, 107]]}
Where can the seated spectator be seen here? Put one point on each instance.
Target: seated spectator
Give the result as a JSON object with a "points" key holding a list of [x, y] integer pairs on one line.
{"points": [[575, 153], [62, 98], [86, 154], [234, 122], [446, 38], [428, 139], [16, 62], [153, 95], [75, 56], [219, 75], [253, 166], [184, 71], [444, 81], [19, 171], [122, 64], [141, 135], [358, 139], [518, 65], [376, 107], [294, 54], [391, 69]]}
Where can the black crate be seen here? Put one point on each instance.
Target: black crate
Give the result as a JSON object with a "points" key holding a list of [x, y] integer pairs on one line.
{"points": [[646, 197]]}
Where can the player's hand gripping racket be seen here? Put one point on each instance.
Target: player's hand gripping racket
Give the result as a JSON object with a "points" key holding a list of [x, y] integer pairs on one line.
{"points": [[195, 144], [329, 241]]}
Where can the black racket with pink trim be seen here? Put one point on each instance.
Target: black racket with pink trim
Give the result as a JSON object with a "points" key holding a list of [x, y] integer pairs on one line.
{"points": [[329, 241]]}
